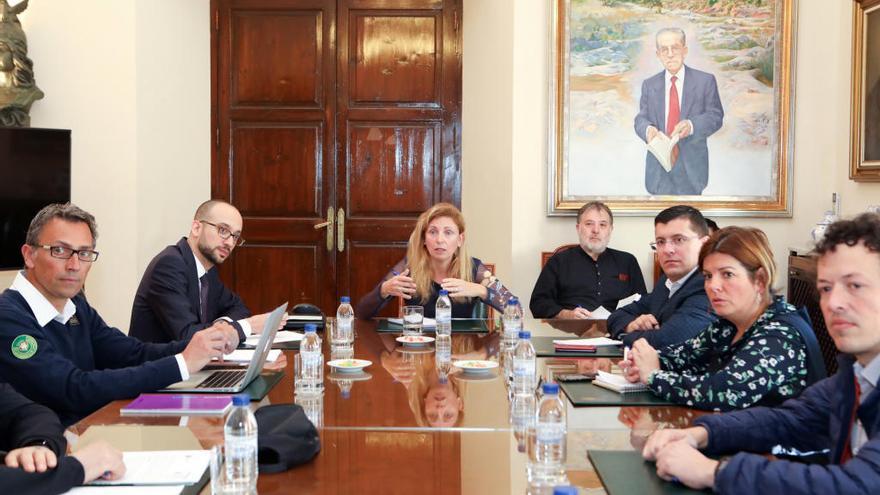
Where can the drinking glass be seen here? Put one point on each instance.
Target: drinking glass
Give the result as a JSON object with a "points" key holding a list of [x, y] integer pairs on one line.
{"points": [[412, 320]]}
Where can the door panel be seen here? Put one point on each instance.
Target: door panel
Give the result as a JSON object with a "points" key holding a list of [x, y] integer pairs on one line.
{"points": [[273, 169], [395, 161], [395, 57], [292, 40], [270, 274]]}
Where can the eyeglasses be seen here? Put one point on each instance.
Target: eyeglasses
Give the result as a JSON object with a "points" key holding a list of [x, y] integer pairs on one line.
{"points": [[65, 253], [225, 233], [675, 241]]}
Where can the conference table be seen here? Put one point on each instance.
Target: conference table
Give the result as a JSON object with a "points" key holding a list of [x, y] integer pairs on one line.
{"points": [[376, 437]]}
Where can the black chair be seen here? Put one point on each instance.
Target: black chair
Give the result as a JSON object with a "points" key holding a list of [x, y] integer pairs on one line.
{"points": [[815, 361]]}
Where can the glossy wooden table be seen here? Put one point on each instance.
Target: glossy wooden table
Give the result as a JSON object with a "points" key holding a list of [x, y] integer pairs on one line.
{"points": [[377, 438]]}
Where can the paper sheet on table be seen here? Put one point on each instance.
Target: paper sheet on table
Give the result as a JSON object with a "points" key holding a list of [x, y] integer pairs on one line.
{"points": [[285, 336], [245, 355], [126, 490], [304, 317], [426, 322], [597, 341], [162, 467], [600, 313], [629, 300]]}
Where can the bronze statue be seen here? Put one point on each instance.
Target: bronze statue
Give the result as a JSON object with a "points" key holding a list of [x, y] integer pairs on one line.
{"points": [[18, 90]]}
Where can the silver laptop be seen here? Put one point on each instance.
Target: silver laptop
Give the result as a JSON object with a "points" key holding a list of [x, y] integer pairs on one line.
{"points": [[235, 380]]}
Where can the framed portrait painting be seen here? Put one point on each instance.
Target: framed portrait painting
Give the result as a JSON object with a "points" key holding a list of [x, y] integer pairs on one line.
{"points": [[661, 102], [865, 132]]}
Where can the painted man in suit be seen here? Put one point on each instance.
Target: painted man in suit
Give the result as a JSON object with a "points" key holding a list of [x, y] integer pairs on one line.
{"points": [[678, 308], [684, 102], [181, 292]]}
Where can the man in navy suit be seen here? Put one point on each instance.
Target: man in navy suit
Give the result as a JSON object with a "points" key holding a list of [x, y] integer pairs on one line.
{"points": [[181, 292], [678, 308], [678, 101]]}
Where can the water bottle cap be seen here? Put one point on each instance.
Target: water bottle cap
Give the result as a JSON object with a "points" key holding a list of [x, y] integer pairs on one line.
{"points": [[345, 299], [241, 400], [525, 334], [565, 490], [346, 394], [513, 300], [444, 292], [550, 389], [310, 327]]}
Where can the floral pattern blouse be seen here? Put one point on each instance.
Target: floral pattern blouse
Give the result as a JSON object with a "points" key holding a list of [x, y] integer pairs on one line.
{"points": [[765, 367]]}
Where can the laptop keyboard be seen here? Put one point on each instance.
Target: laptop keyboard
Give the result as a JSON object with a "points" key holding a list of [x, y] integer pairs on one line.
{"points": [[222, 378]]}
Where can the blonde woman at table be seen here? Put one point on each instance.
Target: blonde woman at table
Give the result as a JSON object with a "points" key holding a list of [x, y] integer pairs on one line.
{"points": [[437, 258], [753, 355]]}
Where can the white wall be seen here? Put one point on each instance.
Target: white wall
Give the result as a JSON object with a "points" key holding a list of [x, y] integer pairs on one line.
{"points": [[132, 80]]}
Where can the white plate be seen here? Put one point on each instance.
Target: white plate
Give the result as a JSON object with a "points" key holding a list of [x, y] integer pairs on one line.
{"points": [[475, 366], [349, 365], [414, 339]]}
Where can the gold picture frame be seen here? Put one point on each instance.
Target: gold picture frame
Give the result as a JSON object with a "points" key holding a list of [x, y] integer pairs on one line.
{"points": [[580, 158], [865, 125]]}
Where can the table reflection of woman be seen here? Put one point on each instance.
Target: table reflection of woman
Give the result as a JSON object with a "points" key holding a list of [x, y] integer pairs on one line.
{"points": [[437, 258], [753, 354], [435, 399]]}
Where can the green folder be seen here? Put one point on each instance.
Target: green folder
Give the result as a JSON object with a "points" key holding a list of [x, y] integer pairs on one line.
{"points": [[459, 325], [262, 384], [625, 473], [583, 394], [544, 348]]}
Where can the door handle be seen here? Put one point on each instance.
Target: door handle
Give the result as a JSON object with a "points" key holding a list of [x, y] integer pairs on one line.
{"points": [[329, 226], [340, 230]]}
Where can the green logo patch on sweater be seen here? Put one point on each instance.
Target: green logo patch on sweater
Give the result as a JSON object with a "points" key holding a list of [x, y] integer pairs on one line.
{"points": [[24, 346]]}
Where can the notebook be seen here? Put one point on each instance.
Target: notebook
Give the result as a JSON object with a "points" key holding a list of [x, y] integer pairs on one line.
{"points": [[584, 344], [178, 405], [618, 383], [235, 380]]}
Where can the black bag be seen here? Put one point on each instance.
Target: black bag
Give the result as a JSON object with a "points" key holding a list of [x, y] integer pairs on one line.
{"points": [[285, 437]]}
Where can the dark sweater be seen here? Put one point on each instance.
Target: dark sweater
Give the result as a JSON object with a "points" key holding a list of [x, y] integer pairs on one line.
{"points": [[81, 366]]}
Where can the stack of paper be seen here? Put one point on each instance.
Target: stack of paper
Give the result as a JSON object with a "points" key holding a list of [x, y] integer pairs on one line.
{"points": [[583, 345], [178, 405], [286, 336], [618, 383], [246, 355]]}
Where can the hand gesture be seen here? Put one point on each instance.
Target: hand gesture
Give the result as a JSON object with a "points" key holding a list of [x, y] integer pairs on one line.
{"points": [[643, 322], [257, 322], [100, 460], [645, 359], [680, 460], [577, 313], [205, 345], [697, 437], [683, 129], [463, 288], [230, 335], [651, 133], [32, 459], [401, 285]]}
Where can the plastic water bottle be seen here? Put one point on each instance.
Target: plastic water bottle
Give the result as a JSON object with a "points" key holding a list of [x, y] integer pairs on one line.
{"points": [[443, 313], [512, 320], [240, 436], [443, 353], [522, 419], [547, 458], [524, 365], [345, 321], [312, 365]]}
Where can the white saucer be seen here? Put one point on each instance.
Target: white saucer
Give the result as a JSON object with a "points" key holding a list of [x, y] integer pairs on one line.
{"points": [[475, 366], [415, 340], [349, 365]]}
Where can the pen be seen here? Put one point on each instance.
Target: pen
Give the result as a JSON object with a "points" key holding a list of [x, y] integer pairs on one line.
{"points": [[625, 353]]}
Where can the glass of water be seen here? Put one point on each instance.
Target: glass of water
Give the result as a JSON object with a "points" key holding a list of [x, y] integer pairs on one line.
{"points": [[412, 320]]}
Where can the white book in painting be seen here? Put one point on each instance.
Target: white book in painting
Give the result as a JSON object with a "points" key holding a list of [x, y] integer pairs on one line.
{"points": [[661, 147], [618, 383]]}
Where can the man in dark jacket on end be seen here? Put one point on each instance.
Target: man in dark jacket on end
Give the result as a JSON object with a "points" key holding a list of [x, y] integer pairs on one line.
{"points": [[32, 447], [840, 414]]}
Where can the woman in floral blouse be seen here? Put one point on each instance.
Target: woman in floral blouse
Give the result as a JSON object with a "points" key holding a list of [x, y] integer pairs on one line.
{"points": [[751, 355]]}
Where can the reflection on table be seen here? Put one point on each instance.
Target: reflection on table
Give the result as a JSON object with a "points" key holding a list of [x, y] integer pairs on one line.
{"points": [[408, 423]]}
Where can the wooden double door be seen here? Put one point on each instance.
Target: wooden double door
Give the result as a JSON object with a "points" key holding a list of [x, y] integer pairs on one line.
{"points": [[336, 123]]}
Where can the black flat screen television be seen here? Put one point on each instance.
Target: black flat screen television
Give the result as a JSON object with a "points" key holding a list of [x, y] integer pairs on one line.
{"points": [[34, 171]]}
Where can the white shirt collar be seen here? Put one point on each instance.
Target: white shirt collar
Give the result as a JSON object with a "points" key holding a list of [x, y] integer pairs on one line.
{"points": [[200, 270], [870, 373], [40, 306], [678, 82], [674, 286]]}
